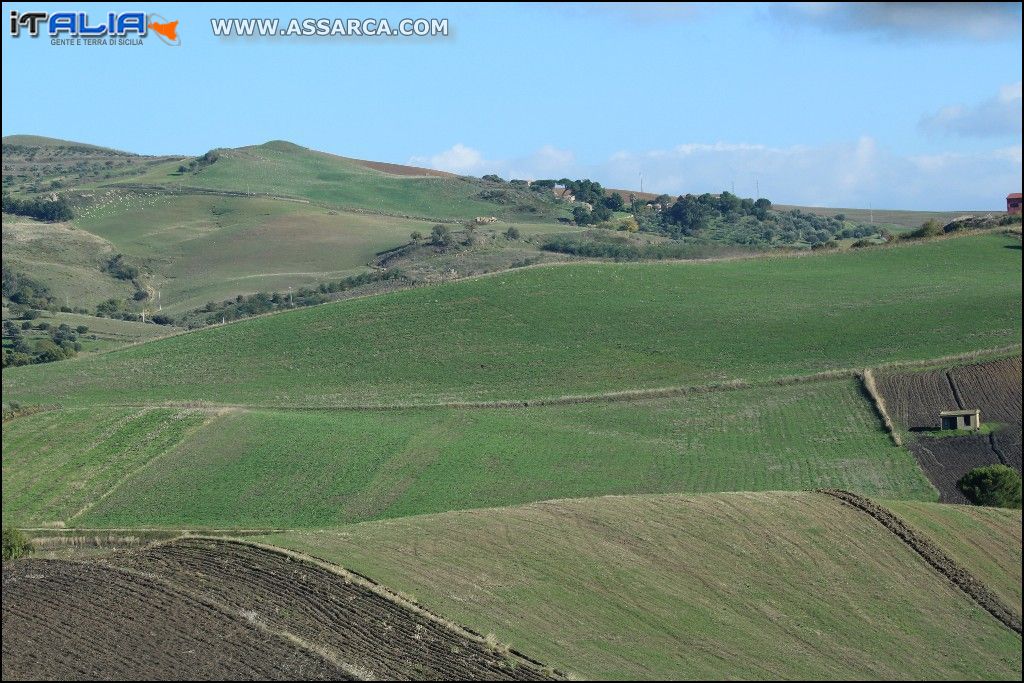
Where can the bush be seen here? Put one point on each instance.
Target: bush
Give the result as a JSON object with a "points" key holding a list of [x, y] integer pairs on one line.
{"points": [[16, 544], [512, 233], [930, 228], [992, 486]]}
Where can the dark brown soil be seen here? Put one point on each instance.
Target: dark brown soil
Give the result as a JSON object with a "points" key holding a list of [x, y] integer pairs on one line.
{"points": [[914, 400], [237, 611], [934, 556], [70, 620]]}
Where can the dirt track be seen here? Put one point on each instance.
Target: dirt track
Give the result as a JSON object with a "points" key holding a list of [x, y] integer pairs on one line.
{"points": [[235, 611]]}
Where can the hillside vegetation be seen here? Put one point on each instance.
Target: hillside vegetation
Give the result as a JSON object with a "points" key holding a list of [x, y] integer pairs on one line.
{"points": [[751, 585], [577, 329], [285, 169]]}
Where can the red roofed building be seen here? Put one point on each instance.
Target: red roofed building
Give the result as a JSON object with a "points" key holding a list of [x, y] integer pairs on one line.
{"points": [[1013, 202]]}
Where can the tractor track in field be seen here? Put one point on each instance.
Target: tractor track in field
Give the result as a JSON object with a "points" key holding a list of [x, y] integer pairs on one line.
{"points": [[958, 575]]}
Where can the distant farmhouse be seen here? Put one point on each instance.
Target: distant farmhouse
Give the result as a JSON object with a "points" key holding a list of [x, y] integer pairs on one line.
{"points": [[1013, 201]]}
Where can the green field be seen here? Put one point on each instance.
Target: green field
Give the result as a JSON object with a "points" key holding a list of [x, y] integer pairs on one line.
{"points": [[276, 469], [57, 464], [576, 329], [751, 585], [985, 540]]}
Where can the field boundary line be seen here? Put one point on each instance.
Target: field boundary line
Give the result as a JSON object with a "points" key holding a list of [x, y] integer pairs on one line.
{"points": [[211, 417], [867, 380], [617, 396], [938, 560], [380, 589]]}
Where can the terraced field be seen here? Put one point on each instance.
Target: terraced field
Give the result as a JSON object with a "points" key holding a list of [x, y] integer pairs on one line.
{"points": [[206, 609], [745, 585], [286, 469], [576, 329]]}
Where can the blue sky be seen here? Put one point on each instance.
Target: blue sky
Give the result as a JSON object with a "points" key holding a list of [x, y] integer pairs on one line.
{"points": [[889, 105]]}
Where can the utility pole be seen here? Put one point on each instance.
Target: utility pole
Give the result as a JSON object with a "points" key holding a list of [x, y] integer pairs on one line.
{"points": [[757, 191]]}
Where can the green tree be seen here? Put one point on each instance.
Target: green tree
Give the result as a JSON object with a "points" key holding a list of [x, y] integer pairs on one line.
{"points": [[440, 235], [512, 233], [993, 486]]}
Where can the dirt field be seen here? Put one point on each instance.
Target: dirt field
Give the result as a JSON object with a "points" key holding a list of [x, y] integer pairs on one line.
{"points": [[213, 609], [66, 620], [914, 400]]}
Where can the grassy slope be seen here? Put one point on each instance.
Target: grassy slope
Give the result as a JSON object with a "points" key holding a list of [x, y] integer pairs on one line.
{"points": [[985, 540], [769, 585], [586, 328], [285, 169], [203, 248], [262, 469], [65, 259], [57, 463]]}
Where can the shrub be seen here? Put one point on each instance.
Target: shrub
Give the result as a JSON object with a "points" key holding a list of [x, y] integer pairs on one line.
{"points": [[993, 486], [512, 233], [16, 544], [930, 228]]}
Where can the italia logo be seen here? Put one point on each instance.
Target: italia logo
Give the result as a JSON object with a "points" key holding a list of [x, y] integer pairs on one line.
{"points": [[113, 28]]}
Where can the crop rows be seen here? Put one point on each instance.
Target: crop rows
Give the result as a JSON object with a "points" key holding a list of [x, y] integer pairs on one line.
{"points": [[65, 620]]}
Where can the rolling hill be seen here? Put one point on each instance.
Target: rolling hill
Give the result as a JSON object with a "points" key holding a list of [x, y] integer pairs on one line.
{"points": [[749, 585], [577, 329]]}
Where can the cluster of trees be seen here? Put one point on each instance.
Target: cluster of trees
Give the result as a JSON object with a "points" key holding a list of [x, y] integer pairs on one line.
{"points": [[690, 214], [21, 289], [621, 249], [119, 268], [265, 302], [119, 309], [200, 163], [61, 342], [50, 210]]}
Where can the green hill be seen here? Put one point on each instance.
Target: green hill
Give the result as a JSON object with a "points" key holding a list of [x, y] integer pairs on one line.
{"points": [[576, 329], [284, 169], [750, 585]]}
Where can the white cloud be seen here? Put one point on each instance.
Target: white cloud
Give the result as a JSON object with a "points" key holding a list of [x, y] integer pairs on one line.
{"points": [[898, 20], [857, 173], [456, 159], [999, 116], [546, 162]]}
